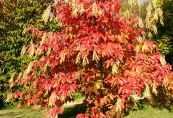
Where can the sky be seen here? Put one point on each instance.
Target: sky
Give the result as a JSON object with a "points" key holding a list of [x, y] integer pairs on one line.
{"points": [[144, 0]]}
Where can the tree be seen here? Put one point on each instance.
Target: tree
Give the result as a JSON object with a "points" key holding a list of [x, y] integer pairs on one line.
{"points": [[14, 15], [99, 53], [165, 32]]}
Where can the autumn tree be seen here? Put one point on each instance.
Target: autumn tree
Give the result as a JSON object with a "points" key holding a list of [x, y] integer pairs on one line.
{"points": [[99, 52]]}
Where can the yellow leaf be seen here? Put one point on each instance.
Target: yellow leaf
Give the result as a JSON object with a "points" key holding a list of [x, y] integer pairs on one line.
{"points": [[144, 47], [162, 60]]}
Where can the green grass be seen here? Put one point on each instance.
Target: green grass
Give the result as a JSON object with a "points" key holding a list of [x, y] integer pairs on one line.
{"points": [[21, 113], [71, 112], [151, 112]]}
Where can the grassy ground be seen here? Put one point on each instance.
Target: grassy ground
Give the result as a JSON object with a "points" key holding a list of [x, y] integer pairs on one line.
{"points": [[147, 112], [21, 113], [150, 112], [71, 110]]}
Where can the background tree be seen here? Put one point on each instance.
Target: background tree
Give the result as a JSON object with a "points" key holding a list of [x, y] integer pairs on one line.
{"points": [[14, 16], [165, 32]]}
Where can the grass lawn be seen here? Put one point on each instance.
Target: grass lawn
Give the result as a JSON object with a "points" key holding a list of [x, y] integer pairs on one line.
{"points": [[21, 113], [70, 112], [150, 112]]}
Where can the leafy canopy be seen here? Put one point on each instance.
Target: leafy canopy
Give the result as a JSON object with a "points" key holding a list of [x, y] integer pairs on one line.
{"points": [[14, 15], [165, 32], [99, 52]]}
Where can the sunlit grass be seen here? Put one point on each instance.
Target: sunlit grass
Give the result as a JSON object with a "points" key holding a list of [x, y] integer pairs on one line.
{"points": [[21, 113], [73, 110], [151, 112]]}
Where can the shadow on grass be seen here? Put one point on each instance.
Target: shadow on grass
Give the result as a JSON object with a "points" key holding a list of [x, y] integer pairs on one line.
{"points": [[11, 114], [73, 111]]}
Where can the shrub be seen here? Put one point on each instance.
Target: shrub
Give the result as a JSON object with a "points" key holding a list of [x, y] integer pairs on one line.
{"points": [[99, 53]]}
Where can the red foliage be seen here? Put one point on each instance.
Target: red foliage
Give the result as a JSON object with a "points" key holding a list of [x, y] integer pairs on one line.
{"points": [[97, 53]]}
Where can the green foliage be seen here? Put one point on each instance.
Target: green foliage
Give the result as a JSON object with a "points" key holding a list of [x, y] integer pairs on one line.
{"points": [[77, 96], [166, 44], [165, 33], [14, 16]]}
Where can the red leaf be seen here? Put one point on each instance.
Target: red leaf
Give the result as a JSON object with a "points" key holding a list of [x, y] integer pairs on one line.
{"points": [[134, 11], [82, 116]]}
